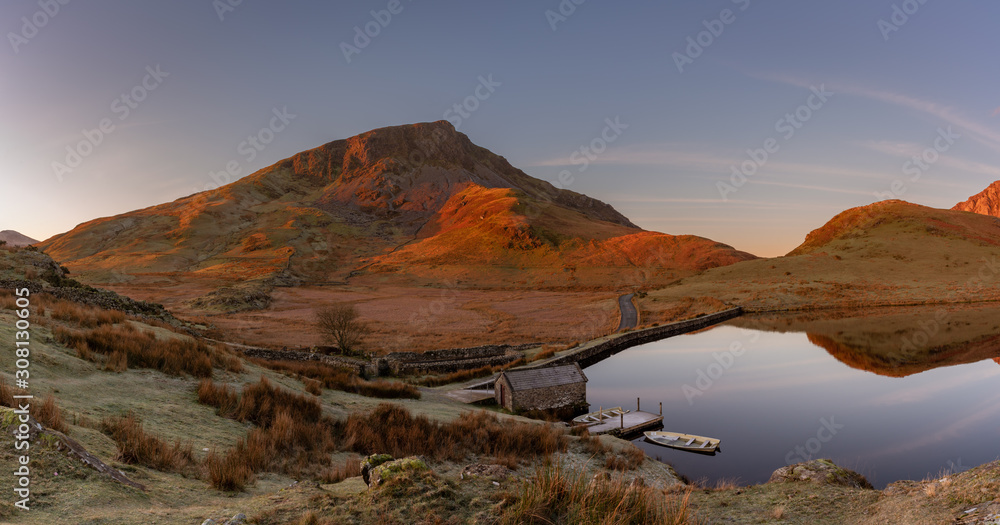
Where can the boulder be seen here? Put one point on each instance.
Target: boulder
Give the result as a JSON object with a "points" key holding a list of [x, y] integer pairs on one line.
{"points": [[239, 519], [370, 463], [822, 471], [394, 469]]}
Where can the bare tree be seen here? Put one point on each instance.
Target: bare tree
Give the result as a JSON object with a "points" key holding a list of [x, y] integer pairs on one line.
{"points": [[340, 325]]}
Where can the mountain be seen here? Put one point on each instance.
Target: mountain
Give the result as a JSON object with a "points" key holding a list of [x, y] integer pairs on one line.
{"points": [[986, 202], [416, 201], [887, 253], [899, 229], [13, 238]]}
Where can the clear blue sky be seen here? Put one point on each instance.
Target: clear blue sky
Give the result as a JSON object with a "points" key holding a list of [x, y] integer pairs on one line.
{"points": [[685, 129]]}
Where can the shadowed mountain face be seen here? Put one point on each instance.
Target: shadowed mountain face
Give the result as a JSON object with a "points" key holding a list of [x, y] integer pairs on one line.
{"points": [[418, 200], [13, 238], [986, 202], [896, 342]]}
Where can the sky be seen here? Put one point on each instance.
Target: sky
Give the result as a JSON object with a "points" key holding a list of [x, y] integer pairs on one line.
{"points": [[749, 122]]}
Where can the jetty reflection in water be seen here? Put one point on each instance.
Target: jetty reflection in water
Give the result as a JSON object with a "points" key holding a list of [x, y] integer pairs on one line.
{"points": [[856, 389]]}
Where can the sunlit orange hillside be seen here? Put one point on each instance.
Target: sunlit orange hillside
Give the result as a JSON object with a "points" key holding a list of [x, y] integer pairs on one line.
{"points": [[419, 200], [986, 202], [890, 252]]}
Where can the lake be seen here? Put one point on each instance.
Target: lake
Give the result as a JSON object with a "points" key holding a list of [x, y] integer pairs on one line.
{"points": [[892, 394]]}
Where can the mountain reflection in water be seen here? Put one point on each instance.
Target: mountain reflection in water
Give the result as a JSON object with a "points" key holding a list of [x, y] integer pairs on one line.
{"points": [[905, 406]]}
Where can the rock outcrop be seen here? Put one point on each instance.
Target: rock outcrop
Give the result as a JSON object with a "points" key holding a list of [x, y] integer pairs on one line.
{"points": [[822, 471], [986, 202]]}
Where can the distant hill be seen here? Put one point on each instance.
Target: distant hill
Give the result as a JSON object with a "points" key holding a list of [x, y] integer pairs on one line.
{"points": [[986, 202], [890, 252], [418, 201], [900, 229], [13, 238]]}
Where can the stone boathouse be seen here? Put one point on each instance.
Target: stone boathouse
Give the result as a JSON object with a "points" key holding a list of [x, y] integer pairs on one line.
{"points": [[547, 388]]}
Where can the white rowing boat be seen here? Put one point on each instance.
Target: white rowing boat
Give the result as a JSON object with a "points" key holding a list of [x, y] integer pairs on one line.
{"points": [[684, 441], [600, 415]]}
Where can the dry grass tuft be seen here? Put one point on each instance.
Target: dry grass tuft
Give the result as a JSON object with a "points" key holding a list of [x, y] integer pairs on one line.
{"points": [[137, 447], [50, 415], [555, 496], [140, 349], [351, 467], [291, 434], [393, 430], [629, 458], [226, 359], [222, 397], [6, 394], [312, 386], [117, 362]]}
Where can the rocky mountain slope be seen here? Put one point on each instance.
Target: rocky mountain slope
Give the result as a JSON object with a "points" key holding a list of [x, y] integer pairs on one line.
{"points": [[406, 200], [986, 202]]}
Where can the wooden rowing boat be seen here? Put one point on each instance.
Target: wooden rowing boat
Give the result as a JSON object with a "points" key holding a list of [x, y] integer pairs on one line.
{"points": [[688, 442], [600, 415]]}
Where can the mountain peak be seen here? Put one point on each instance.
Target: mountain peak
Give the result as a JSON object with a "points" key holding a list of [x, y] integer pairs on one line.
{"points": [[986, 202], [13, 238], [414, 169]]}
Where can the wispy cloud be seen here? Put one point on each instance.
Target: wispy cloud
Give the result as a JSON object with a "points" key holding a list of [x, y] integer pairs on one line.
{"points": [[979, 132], [908, 150], [688, 157], [811, 187], [669, 155]]}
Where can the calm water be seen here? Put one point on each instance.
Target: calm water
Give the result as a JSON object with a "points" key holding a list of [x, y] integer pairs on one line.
{"points": [[783, 392]]}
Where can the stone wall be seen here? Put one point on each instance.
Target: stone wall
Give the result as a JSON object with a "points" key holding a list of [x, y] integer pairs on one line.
{"points": [[359, 366], [403, 363], [548, 398], [589, 355], [450, 360]]}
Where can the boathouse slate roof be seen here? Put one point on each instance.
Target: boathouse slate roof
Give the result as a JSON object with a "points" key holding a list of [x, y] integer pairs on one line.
{"points": [[532, 378]]}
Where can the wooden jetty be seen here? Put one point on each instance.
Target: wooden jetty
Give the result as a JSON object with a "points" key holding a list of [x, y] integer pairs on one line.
{"points": [[634, 422], [630, 423]]}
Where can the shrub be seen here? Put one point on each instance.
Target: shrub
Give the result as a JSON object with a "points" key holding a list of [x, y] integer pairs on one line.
{"points": [[136, 446], [339, 324]]}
